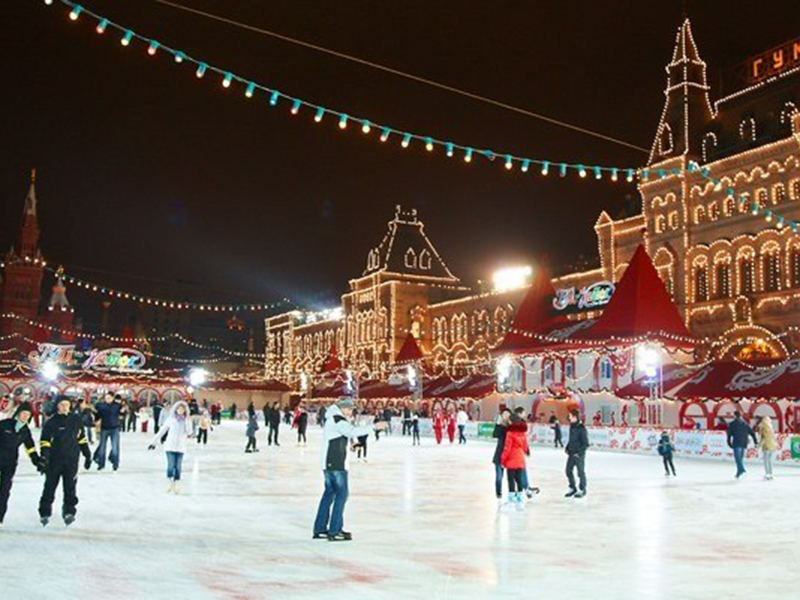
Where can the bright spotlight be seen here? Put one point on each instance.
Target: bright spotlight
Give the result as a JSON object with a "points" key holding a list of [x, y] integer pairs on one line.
{"points": [[511, 278], [50, 371], [197, 377]]}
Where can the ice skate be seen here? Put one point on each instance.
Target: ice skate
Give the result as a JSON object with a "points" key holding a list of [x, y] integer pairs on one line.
{"points": [[570, 493], [342, 536], [170, 487], [580, 494], [69, 520], [176, 488], [44, 521], [320, 535]]}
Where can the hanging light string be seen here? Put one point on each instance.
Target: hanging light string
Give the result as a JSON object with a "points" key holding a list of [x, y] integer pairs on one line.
{"points": [[399, 73], [149, 300], [121, 339], [229, 79]]}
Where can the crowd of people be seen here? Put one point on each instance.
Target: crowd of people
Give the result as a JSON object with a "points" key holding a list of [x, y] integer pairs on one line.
{"points": [[68, 432]]}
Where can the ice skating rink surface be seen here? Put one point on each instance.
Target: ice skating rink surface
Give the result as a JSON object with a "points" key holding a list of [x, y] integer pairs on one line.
{"points": [[425, 524]]}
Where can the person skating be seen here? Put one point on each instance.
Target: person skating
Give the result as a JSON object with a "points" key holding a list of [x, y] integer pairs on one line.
{"points": [[337, 433], [87, 418], [321, 416], [438, 426], [666, 450], [252, 427], [461, 420], [175, 436], [512, 459], [767, 443], [61, 443], [233, 411], [739, 434], [274, 424], [302, 425], [555, 425], [14, 432], [406, 420], [576, 448], [109, 414], [133, 413], [203, 425], [499, 433], [251, 410], [415, 429], [451, 426], [519, 412], [156, 416]]}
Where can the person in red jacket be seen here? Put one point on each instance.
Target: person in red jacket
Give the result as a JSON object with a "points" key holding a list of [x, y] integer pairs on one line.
{"points": [[438, 426], [451, 426], [513, 459]]}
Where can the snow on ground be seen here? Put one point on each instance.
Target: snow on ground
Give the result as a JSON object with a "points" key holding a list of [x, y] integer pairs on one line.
{"points": [[425, 524]]}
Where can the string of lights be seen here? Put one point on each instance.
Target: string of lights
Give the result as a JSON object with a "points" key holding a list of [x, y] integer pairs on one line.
{"points": [[228, 80], [150, 300]]}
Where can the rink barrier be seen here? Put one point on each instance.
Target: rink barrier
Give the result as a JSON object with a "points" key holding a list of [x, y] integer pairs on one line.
{"points": [[704, 444]]}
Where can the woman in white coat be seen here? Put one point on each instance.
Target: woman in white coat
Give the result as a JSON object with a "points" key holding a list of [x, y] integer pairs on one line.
{"points": [[174, 434]]}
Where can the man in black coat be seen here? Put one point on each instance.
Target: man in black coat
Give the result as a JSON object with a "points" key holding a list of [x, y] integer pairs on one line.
{"points": [[14, 432], [109, 414], [62, 441], [576, 452], [739, 434], [499, 433], [274, 424]]}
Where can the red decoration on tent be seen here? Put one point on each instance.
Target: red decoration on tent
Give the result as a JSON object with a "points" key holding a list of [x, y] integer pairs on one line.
{"points": [[332, 363], [409, 352], [734, 380]]}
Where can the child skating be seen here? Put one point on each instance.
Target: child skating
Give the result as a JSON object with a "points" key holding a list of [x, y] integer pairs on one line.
{"points": [[252, 427], [175, 436], [666, 449]]}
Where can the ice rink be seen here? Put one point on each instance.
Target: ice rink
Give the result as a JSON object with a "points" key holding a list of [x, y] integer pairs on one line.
{"points": [[425, 524]]}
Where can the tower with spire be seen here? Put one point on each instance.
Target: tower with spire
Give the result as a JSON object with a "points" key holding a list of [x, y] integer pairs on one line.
{"points": [[21, 285], [59, 312], [687, 109]]}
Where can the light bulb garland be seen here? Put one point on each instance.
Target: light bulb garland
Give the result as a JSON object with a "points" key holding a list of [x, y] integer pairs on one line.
{"points": [[228, 79]]}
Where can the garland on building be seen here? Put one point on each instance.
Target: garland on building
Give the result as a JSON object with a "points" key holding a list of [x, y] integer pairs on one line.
{"points": [[251, 89]]}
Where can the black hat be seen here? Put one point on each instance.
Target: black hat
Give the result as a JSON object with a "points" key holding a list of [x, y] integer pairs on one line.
{"points": [[23, 406]]}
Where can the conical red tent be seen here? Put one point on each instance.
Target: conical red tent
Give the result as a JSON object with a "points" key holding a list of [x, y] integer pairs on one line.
{"points": [[534, 315], [409, 351], [640, 308]]}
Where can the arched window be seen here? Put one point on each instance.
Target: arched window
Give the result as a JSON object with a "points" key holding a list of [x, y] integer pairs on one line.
{"points": [[746, 273], [795, 189], [713, 211], [411, 259], [569, 369], [771, 268], [425, 259], [794, 267], [762, 197], [723, 277], [778, 193], [699, 215], [729, 206], [700, 281], [709, 144], [673, 219], [547, 372], [605, 372], [659, 224], [665, 144], [747, 129]]}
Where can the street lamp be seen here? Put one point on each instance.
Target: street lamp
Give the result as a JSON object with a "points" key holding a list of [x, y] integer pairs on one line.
{"points": [[197, 377]]}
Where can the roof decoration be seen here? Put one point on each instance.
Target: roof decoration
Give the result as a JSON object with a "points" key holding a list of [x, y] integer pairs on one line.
{"points": [[409, 351]]}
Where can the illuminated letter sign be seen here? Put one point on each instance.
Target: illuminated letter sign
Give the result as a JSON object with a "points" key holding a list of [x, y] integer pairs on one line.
{"points": [[55, 353], [115, 359], [774, 61], [591, 296]]}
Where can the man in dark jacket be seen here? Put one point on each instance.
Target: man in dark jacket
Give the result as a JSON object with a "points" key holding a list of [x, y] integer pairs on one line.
{"points": [[739, 433], [61, 442], [576, 452], [499, 433], [406, 420], [14, 432], [108, 413], [156, 416], [274, 424]]}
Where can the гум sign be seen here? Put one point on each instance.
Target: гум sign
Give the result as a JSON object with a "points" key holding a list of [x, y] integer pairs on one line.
{"points": [[115, 359]]}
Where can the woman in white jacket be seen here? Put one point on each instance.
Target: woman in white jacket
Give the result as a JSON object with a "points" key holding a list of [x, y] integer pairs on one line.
{"points": [[174, 433]]}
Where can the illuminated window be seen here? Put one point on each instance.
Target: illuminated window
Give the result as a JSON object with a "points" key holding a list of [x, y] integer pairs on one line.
{"points": [[425, 260], [762, 197], [700, 283], [770, 263], [778, 193], [411, 259], [794, 266], [547, 372], [729, 207], [569, 368], [699, 215], [723, 279], [605, 372], [746, 275], [747, 129], [713, 211], [673, 220], [795, 189], [665, 140], [659, 224]]}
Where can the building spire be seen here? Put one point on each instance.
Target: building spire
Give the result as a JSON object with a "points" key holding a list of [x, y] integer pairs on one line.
{"points": [[30, 199]]}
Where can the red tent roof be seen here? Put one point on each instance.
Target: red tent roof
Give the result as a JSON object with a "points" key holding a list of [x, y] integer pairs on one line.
{"points": [[410, 351], [672, 375], [384, 389], [731, 379], [640, 307], [534, 315]]}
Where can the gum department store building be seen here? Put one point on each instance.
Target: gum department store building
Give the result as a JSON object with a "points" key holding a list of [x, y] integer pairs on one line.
{"points": [[734, 276]]}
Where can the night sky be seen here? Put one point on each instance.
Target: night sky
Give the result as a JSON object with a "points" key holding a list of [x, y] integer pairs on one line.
{"points": [[153, 181]]}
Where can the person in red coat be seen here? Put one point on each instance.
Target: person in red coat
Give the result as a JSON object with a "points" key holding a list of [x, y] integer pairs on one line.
{"points": [[513, 459], [438, 426], [451, 426]]}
